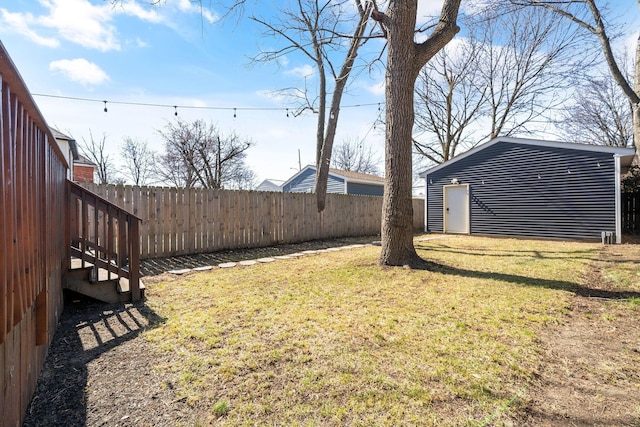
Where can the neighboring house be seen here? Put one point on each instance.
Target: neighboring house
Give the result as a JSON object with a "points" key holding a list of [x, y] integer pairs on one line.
{"points": [[270, 185], [81, 169], [529, 188], [339, 181], [69, 149]]}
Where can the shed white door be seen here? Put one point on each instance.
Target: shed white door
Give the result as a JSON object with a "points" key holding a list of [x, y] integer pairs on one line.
{"points": [[456, 209]]}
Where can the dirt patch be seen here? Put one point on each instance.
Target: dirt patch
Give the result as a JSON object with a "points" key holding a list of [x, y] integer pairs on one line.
{"points": [[590, 369]]}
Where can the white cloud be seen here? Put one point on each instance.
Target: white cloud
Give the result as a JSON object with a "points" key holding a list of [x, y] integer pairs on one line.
{"points": [[131, 8], [141, 43], [91, 25], [377, 89], [187, 6], [428, 9], [302, 72], [81, 22], [80, 70], [20, 22]]}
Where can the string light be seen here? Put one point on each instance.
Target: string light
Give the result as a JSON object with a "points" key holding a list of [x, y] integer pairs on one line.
{"points": [[187, 107]]}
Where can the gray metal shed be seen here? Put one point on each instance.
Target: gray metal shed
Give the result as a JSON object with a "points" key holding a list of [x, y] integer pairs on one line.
{"points": [[528, 188]]}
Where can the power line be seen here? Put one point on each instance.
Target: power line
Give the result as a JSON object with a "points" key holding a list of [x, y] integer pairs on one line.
{"points": [[186, 107]]}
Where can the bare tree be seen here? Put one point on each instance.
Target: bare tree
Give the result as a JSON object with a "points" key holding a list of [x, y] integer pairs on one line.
{"points": [[449, 95], [319, 30], [600, 115], [527, 65], [508, 75], [405, 59], [139, 161], [95, 150], [352, 155], [587, 15], [197, 154]]}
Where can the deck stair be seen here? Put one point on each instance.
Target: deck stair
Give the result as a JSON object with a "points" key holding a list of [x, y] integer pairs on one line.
{"points": [[105, 249], [102, 286]]}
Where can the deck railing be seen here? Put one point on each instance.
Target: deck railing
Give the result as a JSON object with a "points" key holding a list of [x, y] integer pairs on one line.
{"points": [[33, 249], [105, 236]]}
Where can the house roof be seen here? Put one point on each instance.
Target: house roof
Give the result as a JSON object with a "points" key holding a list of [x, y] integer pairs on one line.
{"points": [[357, 176], [348, 176], [270, 185], [82, 160], [72, 142], [626, 154]]}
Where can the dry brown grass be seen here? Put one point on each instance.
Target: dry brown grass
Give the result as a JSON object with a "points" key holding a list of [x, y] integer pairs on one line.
{"points": [[333, 339]]}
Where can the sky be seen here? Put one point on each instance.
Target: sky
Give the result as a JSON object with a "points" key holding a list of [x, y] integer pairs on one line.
{"points": [[174, 53], [178, 53]]}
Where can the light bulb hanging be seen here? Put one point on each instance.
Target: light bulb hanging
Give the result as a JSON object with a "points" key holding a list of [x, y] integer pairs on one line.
{"points": [[234, 113], [105, 106], [175, 113]]}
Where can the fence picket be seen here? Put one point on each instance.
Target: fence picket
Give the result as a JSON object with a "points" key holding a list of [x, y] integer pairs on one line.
{"points": [[188, 221]]}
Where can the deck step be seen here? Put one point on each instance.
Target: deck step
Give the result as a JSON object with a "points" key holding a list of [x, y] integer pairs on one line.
{"points": [[109, 289]]}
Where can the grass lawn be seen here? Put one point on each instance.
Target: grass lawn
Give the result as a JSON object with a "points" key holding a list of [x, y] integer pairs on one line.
{"points": [[334, 339]]}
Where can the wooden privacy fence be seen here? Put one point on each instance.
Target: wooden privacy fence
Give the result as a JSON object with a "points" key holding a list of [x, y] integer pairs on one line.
{"points": [[631, 213], [178, 221]]}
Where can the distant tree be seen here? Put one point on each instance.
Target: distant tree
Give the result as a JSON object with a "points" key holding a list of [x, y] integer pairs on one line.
{"points": [[588, 16], [631, 181], [507, 76], [329, 33], [139, 161], [198, 155], [95, 150], [449, 97], [352, 155], [600, 115], [528, 62]]}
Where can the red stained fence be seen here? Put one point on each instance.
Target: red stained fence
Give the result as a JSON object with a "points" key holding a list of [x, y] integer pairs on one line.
{"points": [[33, 253]]}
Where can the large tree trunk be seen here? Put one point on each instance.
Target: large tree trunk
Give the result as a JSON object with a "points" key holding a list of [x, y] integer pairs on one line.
{"points": [[397, 207], [405, 58]]}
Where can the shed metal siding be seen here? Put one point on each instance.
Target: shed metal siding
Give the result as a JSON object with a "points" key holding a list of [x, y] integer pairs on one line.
{"points": [[531, 191], [305, 182], [364, 189]]}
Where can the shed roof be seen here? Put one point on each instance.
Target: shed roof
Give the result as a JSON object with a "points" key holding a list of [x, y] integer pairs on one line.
{"points": [[626, 154]]}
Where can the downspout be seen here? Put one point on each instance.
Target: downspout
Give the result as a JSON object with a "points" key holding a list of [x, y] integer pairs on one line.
{"points": [[426, 203], [618, 198]]}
